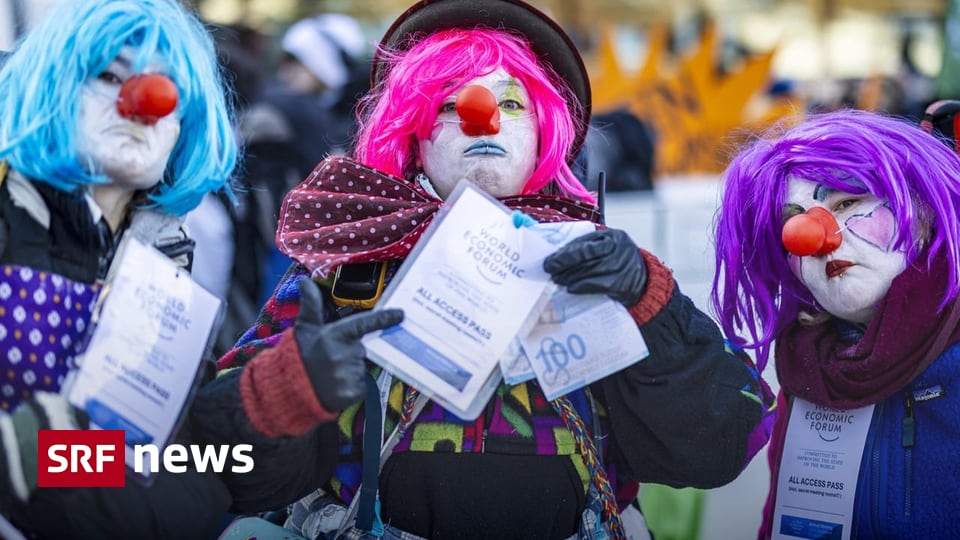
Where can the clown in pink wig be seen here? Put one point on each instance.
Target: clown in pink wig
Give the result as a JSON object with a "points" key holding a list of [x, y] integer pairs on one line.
{"points": [[491, 92], [838, 249], [403, 108]]}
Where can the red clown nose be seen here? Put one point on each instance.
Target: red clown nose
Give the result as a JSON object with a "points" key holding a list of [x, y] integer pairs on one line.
{"points": [[478, 111], [813, 233], [147, 98]]}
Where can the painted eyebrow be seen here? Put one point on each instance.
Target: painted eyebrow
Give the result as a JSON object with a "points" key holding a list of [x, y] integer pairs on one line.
{"points": [[124, 58], [821, 192], [507, 83], [124, 63], [499, 85]]}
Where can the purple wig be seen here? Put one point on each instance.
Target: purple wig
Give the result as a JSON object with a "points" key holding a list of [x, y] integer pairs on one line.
{"points": [[404, 107], [754, 292]]}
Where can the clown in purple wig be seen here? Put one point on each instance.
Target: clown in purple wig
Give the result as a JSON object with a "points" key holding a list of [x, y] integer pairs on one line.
{"points": [[837, 252]]}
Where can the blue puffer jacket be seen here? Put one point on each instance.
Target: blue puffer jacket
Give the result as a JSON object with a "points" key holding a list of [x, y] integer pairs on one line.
{"points": [[908, 485]]}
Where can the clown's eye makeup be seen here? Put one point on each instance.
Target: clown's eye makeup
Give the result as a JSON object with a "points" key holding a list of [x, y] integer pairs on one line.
{"points": [[844, 204], [109, 77], [119, 70], [448, 107], [791, 210], [511, 105]]}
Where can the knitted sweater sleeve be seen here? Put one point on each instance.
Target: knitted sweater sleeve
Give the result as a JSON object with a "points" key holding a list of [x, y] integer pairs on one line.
{"points": [[263, 397], [690, 414]]}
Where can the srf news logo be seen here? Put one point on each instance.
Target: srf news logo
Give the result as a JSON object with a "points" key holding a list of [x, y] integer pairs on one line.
{"points": [[97, 458]]}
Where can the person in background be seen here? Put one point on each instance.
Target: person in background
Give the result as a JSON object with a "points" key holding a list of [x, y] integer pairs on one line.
{"points": [[221, 224], [690, 414], [113, 124], [622, 146], [838, 253], [941, 119], [302, 115]]}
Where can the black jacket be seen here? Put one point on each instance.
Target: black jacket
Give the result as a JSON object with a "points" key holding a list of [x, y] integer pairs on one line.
{"points": [[190, 505]]}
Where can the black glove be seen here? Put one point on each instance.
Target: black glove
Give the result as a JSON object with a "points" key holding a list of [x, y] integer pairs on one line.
{"points": [[332, 353], [18, 435], [601, 262]]}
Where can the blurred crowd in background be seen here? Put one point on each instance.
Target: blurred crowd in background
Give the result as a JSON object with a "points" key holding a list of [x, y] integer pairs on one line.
{"points": [[683, 78], [682, 81]]}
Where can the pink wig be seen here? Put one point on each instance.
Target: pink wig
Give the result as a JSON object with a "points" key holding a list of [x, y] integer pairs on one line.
{"points": [[404, 107]]}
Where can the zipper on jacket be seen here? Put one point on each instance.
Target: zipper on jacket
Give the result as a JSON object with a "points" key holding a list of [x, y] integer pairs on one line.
{"points": [[595, 428], [907, 437], [487, 418], [877, 473]]}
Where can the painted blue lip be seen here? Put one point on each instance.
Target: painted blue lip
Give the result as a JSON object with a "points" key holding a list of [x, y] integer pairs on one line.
{"points": [[485, 147]]}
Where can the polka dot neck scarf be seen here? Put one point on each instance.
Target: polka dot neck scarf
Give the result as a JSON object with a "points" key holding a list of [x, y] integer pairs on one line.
{"points": [[346, 213]]}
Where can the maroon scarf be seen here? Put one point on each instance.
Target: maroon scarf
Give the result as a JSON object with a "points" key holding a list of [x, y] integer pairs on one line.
{"points": [[902, 340], [345, 213]]}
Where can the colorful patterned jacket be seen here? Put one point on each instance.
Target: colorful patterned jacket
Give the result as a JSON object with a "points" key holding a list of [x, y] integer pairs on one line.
{"points": [[691, 414]]}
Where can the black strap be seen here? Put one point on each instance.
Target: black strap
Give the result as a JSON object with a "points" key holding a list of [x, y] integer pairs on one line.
{"points": [[366, 508], [108, 247]]}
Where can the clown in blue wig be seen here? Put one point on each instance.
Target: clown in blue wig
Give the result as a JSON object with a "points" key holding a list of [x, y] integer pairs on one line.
{"points": [[41, 85], [113, 124], [838, 251]]}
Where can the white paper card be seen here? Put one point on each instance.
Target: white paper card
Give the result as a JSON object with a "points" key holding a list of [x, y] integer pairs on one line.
{"points": [[471, 284], [580, 339], [514, 364], [144, 353], [577, 339], [819, 470]]}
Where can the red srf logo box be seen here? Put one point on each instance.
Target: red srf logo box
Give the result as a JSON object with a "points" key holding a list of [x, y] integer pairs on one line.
{"points": [[80, 458]]}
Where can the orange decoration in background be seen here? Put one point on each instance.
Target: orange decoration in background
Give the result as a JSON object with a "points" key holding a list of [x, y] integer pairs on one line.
{"points": [[698, 114]]}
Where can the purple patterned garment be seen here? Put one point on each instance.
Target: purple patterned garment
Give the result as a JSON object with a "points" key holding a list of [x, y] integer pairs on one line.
{"points": [[43, 320]]}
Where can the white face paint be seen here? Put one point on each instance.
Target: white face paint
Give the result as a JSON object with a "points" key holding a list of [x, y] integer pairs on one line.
{"points": [[499, 164], [132, 154], [851, 281]]}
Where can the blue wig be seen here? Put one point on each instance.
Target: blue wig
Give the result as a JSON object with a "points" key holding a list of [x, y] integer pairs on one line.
{"points": [[40, 86], [755, 294]]}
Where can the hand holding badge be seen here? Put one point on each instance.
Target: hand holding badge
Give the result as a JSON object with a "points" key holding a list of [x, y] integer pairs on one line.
{"points": [[585, 332], [467, 313], [143, 358]]}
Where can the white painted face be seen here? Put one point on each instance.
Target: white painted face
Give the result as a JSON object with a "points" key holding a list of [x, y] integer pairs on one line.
{"points": [[853, 279], [132, 154], [499, 164]]}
